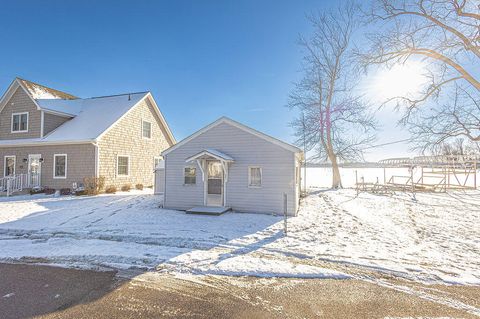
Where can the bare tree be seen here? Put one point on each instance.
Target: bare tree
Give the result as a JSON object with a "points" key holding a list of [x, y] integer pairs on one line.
{"points": [[445, 35], [458, 118], [335, 123]]}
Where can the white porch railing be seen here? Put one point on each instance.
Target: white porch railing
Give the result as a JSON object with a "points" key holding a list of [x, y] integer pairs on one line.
{"points": [[16, 183]]}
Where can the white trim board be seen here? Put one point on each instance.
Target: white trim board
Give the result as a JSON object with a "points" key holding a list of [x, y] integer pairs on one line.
{"points": [[5, 164], [66, 166], [236, 124], [27, 142], [128, 167], [20, 123]]}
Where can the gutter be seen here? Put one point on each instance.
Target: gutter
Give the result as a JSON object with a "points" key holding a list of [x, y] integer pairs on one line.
{"points": [[19, 143]]}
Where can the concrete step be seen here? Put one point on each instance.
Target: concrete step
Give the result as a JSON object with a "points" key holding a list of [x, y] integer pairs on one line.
{"points": [[208, 210]]}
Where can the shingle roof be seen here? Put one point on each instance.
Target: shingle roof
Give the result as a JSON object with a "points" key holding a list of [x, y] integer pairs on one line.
{"points": [[38, 91], [93, 116], [90, 117]]}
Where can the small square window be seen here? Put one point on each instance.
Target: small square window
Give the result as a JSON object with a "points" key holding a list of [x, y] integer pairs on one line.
{"points": [[19, 122], [158, 162], [146, 129], [123, 165], [190, 176]]}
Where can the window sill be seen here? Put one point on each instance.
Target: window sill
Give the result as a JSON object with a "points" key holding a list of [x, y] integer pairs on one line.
{"points": [[189, 185], [15, 132], [59, 177], [251, 186]]}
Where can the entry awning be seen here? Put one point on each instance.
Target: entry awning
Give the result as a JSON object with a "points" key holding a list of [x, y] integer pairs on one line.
{"points": [[209, 153]]}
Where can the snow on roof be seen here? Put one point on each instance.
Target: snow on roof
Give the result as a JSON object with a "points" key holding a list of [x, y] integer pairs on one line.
{"points": [[70, 107], [213, 153], [94, 115], [219, 154], [38, 91]]}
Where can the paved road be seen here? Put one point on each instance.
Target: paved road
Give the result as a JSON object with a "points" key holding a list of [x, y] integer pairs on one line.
{"points": [[49, 292]]}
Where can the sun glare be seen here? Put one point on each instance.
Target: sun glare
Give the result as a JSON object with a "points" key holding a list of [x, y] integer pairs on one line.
{"points": [[405, 80]]}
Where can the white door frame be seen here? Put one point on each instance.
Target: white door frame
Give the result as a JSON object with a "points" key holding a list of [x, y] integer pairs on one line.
{"points": [[206, 184], [30, 156]]}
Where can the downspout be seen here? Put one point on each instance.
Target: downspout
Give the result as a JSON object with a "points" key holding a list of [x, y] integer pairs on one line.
{"points": [[164, 181], [225, 169]]}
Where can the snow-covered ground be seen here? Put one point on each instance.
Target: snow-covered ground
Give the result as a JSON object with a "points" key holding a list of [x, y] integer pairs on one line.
{"points": [[433, 239]]}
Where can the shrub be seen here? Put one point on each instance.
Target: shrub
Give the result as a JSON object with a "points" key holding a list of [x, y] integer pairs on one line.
{"points": [[111, 189], [34, 191], [126, 187], [49, 191], [93, 185], [81, 193], [139, 187], [65, 191]]}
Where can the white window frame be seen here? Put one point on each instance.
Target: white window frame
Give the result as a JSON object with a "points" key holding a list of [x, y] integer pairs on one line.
{"points": [[66, 166], [155, 158], [250, 177], [20, 123], [128, 166], [195, 168], [145, 137], [5, 164]]}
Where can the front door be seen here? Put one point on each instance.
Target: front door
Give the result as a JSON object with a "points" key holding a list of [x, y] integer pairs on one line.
{"points": [[214, 183], [34, 169]]}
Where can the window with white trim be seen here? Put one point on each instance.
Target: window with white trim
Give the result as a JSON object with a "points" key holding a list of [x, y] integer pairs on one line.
{"points": [[190, 175], [254, 176], [158, 162], [60, 166], [20, 122], [123, 165], [146, 129], [9, 165]]}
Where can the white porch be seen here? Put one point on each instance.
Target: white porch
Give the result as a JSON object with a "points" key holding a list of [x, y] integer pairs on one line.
{"points": [[214, 168], [18, 182]]}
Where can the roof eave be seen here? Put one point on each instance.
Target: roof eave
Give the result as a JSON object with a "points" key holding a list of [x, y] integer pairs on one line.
{"points": [[45, 143]]}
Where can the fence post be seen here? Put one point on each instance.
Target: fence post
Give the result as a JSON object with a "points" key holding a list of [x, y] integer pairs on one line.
{"points": [[8, 187], [413, 184], [285, 213], [475, 175]]}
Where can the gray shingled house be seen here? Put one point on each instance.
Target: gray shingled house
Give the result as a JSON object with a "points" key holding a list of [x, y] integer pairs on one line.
{"points": [[53, 139], [227, 165]]}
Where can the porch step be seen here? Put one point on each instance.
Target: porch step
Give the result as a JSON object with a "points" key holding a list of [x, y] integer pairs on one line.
{"points": [[208, 210]]}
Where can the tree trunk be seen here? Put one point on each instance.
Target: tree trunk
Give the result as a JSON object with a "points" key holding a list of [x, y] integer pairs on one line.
{"points": [[336, 179]]}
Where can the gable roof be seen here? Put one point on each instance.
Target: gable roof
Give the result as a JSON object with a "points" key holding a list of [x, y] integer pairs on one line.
{"points": [[238, 125], [91, 117], [38, 91], [34, 91], [211, 153]]}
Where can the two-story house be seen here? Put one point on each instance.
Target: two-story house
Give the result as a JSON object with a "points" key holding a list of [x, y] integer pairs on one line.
{"points": [[62, 139]]}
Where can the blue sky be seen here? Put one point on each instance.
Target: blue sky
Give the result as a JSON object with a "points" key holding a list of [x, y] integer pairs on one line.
{"points": [[200, 59]]}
